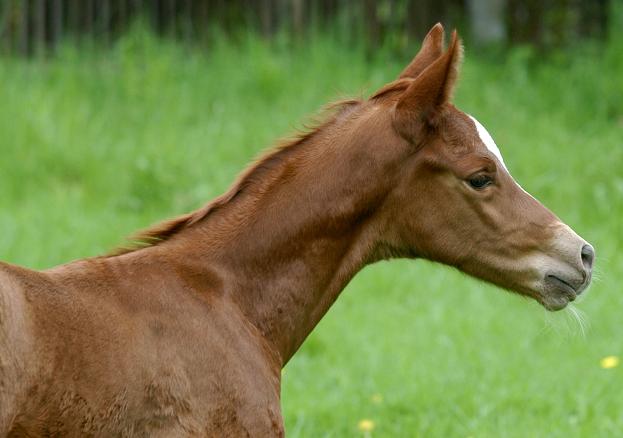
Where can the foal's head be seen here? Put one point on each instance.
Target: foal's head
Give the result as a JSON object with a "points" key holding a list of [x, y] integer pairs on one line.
{"points": [[454, 201]]}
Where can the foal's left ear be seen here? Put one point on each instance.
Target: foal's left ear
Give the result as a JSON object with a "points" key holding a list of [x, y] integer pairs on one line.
{"points": [[432, 48], [418, 108]]}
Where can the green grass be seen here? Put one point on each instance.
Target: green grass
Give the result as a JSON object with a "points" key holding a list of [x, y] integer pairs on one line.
{"points": [[95, 145]]}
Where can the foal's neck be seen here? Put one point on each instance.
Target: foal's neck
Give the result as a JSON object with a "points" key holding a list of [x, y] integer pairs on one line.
{"points": [[286, 287], [288, 249]]}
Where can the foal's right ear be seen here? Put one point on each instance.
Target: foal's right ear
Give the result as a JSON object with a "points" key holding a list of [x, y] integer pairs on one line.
{"points": [[432, 48], [420, 104]]}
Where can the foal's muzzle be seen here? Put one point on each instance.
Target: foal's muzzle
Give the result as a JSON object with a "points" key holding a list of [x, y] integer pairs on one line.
{"points": [[567, 272]]}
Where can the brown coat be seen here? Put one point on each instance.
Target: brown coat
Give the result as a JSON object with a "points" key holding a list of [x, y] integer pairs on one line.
{"points": [[185, 334]]}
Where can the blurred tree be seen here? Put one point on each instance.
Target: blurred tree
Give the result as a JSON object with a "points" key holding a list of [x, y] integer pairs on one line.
{"points": [[550, 23], [487, 20], [29, 26]]}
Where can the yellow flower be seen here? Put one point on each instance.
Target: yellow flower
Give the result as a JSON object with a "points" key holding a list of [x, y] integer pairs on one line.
{"points": [[377, 399], [365, 425], [609, 362]]}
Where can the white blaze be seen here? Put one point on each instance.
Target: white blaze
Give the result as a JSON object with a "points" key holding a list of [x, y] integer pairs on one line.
{"points": [[488, 141], [490, 144]]}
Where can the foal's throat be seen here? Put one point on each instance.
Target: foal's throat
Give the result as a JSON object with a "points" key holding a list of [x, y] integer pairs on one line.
{"points": [[286, 287]]}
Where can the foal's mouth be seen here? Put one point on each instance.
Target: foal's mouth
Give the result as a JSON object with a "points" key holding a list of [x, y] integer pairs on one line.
{"points": [[558, 292]]}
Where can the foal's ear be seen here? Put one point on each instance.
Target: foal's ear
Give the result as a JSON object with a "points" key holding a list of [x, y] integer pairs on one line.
{"points": [[432, 48], [418, 107]]}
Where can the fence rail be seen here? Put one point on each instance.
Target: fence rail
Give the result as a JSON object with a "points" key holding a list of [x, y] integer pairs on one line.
{"points": [[36, 26]]}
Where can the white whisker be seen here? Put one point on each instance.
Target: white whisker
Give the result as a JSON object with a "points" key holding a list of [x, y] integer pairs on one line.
{"points": [[569, 324], [597, 275], [580, 317]]}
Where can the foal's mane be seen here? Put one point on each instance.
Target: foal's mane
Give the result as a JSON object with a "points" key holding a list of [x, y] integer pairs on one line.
{"points": [[273, 158]]}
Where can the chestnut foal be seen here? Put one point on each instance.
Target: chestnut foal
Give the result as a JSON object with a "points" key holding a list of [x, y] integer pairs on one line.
{"points": [[186, 333]]}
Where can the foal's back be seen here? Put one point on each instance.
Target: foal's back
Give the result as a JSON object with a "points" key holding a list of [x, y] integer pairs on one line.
{"points": [[127, 345]]}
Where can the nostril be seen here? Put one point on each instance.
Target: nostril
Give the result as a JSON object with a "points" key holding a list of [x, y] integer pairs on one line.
{"points": [[588, 255]]}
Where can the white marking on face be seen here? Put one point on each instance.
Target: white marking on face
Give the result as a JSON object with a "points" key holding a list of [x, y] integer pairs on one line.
{"points": [[488, 141], [486, 138]]}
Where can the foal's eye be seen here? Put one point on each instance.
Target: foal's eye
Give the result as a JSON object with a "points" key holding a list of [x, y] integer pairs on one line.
{"points": [[480, 181]]}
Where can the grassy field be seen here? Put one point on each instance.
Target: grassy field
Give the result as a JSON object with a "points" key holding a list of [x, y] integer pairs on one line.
{"points": [[96, 144]]}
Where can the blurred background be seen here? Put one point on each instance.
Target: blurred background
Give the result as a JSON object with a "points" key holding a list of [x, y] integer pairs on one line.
{"points": [[115, 114], [30, 26]]}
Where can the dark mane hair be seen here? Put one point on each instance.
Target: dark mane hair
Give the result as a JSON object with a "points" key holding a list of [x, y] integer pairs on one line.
{"points": [[166, 230]]}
